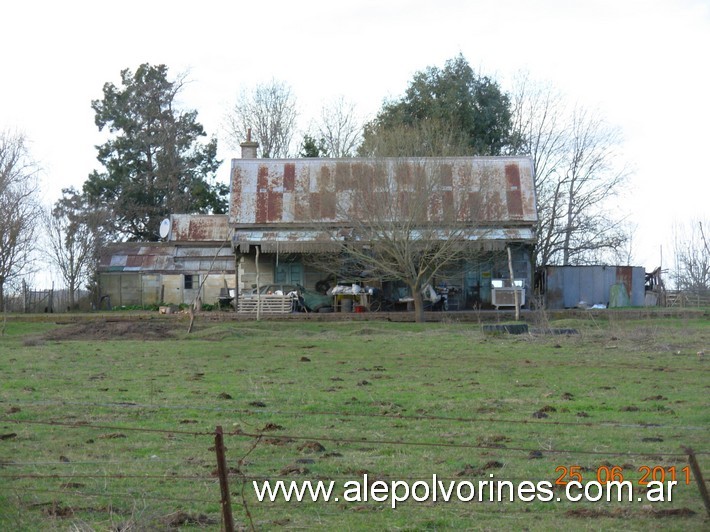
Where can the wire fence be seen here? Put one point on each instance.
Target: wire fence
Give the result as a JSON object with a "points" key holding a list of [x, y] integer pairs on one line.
{"points": [[145, 478]]}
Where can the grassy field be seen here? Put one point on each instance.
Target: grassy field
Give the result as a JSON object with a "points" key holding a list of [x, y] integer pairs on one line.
{"points": [[109, 424]]}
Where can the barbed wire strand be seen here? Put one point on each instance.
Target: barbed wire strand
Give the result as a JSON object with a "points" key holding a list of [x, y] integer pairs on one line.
{"points": [[418, 417], [281, 436]]}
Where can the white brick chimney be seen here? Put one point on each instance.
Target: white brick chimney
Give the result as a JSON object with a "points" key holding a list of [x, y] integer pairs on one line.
{"points": [[249, 147]]}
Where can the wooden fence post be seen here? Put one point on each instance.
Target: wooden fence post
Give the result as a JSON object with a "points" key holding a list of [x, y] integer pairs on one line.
{"points": [[227, 521], [695, 468]]}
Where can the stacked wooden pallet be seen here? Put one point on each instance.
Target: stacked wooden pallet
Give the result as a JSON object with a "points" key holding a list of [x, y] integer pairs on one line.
{"points": [[267, 304]]}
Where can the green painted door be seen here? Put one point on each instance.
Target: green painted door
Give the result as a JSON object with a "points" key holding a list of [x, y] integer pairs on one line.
{"points": [[289, 273]]}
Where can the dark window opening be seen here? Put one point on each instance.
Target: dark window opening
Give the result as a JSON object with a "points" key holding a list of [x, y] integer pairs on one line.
{"points": [[189, 280]]}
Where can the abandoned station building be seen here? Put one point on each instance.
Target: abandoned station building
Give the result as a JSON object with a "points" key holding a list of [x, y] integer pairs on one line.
{"points": [[288, 219]]}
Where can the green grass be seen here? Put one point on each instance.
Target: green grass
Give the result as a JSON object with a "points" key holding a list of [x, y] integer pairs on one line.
{"points": [[398, 401]]}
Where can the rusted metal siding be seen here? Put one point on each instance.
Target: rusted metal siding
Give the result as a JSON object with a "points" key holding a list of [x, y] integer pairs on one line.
{"points": [[268, 192]]}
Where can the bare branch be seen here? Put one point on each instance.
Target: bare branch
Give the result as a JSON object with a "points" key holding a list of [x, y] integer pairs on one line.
{"points": [[19, 208], [269, 110], [340, 128], [577, 172]]}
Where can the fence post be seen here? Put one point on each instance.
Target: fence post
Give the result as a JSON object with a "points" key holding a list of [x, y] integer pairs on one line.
{"points": [[695, 468], [227, 520]]}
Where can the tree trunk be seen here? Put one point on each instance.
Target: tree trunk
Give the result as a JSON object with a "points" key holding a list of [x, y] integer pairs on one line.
{"points": [[418, 305], [72, 299]]}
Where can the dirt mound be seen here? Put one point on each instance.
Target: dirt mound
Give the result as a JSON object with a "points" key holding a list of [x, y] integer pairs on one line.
{"points": [[115, 330]]}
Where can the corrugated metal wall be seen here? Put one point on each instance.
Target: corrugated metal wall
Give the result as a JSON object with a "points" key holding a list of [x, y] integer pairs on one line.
{"points": [[134, 288], [567, 286]]}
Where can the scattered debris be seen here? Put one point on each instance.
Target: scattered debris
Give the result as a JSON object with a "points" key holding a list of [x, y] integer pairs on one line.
{"points": [[511, 328]]}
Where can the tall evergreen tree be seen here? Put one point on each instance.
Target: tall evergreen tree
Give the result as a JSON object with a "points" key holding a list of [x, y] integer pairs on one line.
{"points": [[452, 110], [154, 161]]}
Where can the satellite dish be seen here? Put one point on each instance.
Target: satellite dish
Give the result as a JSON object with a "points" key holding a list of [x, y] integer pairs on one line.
{"points": [[165, 228]]}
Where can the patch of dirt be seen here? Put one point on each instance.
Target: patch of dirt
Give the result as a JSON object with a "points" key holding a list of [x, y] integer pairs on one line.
{"points": [[271, 426], [655, 398], [294, 470], [311, 447], [495, 441], [111, 436], [115, 330], [72, 485], [57, 510], [279, 442], [671, 512], [181, 518], [591, 513]]}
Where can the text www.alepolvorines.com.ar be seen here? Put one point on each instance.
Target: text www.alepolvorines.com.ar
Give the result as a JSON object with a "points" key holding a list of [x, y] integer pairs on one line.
{"points": [[396, 491]]}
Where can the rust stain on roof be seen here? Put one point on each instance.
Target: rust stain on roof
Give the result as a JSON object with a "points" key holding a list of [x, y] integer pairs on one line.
{"points": [[199, 228]]}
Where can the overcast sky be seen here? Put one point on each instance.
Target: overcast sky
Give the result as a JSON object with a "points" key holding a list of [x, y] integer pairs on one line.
{"points": [[642, 63]]}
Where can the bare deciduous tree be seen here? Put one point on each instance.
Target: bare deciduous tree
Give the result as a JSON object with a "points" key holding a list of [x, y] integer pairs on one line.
{"points": [[269, 110], [76, 232], [19, 208], [407, 226], [692, 256], [577, 172], [340, 128]]}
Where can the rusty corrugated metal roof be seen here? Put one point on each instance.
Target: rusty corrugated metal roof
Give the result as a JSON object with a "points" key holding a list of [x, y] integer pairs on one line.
{"points": [[492, 190], [198, 228], [306, 241], [158, 257]]}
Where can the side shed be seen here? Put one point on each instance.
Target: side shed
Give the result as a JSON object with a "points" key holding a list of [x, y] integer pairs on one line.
{"points": [[568, 286], [196, 249]]}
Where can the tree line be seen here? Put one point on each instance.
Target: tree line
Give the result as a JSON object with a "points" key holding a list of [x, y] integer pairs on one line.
{"points": [[159, 160]]}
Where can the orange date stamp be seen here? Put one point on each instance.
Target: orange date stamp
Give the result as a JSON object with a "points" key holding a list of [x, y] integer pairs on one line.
{"points": [[605, 474]]}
